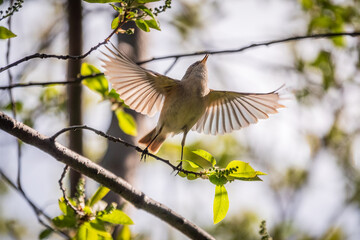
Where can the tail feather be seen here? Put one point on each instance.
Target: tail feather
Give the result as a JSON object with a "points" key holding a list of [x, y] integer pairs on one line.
{"points": [[156, 144]]}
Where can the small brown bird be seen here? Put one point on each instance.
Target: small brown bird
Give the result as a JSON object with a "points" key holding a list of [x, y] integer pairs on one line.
{"points": [[186, 104]]}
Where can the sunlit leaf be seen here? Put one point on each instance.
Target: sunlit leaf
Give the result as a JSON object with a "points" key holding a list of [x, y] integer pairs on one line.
{"points": [[103, 1], [205, 155], [140, 23], [242, 171], [192, 164], [98, 195], [65, 209], [146, 1], [6, 33], [46, 233], [115, 23], [124, 234], [221, 203], [116, 217], [126, 122], [98, 84], [153, 24]]}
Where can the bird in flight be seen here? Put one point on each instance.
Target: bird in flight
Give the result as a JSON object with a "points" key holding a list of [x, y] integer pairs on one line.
{"points": [[184, 105]]}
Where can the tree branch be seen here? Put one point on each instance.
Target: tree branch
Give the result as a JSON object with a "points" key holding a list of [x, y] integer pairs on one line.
{"points": [[119, 140], [255, 45], [101, 175]]}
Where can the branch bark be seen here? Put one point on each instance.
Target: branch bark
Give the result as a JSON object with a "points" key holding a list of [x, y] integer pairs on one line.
{"points": [[101, 175]]}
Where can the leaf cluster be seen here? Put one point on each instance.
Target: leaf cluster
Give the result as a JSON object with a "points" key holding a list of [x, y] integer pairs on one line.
{"points": [[136, 11], [207, 169], [92, 218]]}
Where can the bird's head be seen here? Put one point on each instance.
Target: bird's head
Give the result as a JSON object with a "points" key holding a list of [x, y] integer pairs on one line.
{"points": [[197, 69]]}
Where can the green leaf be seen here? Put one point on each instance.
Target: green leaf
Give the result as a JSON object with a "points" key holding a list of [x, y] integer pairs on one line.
{"points": [[140, 23], [93, 230], [192, 164], [147, 11], [98, 227], [124, 234], [153, 24], [98, 195], [218, 180], [68, 211], [6, 33], [205, 155], [221, 203], [191, 176], [98, 84], [46, 233], [146, 1], [114, 94], [242, 171], [103, 1], [307, 4], [64, 221], [115, 23], [116, 217], [126, 122]]}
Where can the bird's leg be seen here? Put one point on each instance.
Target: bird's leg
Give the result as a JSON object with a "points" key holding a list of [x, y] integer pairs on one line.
{"points": [[182, 149], [145, 151]]}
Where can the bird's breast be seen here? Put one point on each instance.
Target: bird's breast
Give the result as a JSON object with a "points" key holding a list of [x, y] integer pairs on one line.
{"points": [[181, 110]]}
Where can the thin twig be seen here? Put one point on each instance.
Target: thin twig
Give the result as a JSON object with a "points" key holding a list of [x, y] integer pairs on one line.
{"points": [[77, 211], [254, 45], [171, 66], [37, 210], [61, 57], [119, 140], [69, 81]]}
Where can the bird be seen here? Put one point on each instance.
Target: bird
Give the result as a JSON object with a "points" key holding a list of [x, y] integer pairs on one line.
{"points": [[184, 105]]}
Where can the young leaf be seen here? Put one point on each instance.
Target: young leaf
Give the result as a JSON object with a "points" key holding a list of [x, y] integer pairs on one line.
{"points": [[214, 179], [153, 24], [146, 1], [192, 164], [221, 203], [64, 221], [116, 217], [98, 195], [46, 233], [124, 234], [126, 122], [98, 227], [103, 1], [6, 33], [98, 84], [242, 171], [68, 211], [207, 156], [140, 23], [115, 23]]}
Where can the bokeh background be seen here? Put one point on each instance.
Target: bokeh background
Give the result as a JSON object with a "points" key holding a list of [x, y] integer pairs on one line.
{"points": [[310, 150]]}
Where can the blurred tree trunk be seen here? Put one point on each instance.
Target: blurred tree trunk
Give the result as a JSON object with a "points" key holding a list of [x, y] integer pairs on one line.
{"points": [[74, 90], [119, 159]]}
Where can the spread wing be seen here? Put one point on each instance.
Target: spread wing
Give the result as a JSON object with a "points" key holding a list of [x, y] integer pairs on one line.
{"points": [[142, 90], [228, 111]]}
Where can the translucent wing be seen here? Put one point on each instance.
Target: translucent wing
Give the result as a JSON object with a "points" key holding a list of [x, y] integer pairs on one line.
{"points": [[141, 89], [228, 111]]}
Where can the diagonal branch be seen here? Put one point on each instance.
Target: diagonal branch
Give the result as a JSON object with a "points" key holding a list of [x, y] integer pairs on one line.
{"points": [[102, 176]]}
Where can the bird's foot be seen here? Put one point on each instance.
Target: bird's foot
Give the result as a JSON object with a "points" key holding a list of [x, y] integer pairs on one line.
{"points": [[178, 168], [143, 154]]}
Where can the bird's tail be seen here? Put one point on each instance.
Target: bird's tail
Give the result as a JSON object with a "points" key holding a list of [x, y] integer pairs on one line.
{"points": [[155, 144]]}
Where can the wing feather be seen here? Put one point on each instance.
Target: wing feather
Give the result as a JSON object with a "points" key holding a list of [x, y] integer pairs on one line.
{"points": [[142, 90], [227, 111]]}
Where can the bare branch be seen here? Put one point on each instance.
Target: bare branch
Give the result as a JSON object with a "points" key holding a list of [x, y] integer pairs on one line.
{"points": [[101, 175], [119, 140], [255, 45]]}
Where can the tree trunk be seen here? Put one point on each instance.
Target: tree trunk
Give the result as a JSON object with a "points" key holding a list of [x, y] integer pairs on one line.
{"points": [[74, 90]]}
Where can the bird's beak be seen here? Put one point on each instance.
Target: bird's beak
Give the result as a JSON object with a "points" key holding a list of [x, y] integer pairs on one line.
{"points": [[205, 58]]}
